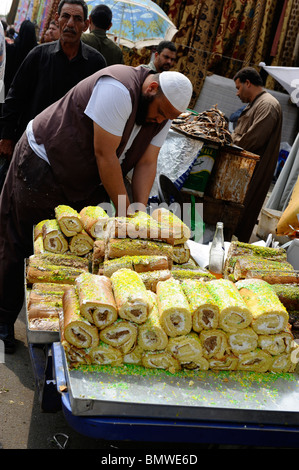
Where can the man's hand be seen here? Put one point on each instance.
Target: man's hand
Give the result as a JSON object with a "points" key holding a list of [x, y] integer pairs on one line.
{"points": [[6, 148]]}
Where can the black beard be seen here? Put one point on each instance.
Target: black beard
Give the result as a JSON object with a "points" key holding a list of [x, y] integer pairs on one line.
{"points": [[142, 109]]}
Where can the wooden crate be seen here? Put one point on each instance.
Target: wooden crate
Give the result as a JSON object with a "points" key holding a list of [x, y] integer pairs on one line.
{"points": [[231, 175]]}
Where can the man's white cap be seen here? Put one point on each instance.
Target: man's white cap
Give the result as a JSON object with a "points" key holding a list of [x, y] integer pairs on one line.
{"points": [[177, 88]]}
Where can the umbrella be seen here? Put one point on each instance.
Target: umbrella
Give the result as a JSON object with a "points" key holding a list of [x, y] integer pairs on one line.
{"points": [[137, 23], [288, 77]]}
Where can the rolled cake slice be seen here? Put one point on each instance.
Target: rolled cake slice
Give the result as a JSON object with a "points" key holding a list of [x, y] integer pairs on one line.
{"points": [[76, 329], [174, 310], [255, 361], [122, 334], [204, 308], [214, 343], [181, 253], [227, 362], [151, 336], [96, 299], [278, 343], [105, 354], [181, 274], [283, 363], [98, 254], [53, 238], [269, 315], [68, 220], [181, 232], [75, 356], [116, 248], [274, 277], [200, 363], [94, 220], [151, 278], [187, 349], [234, 314], [37, 296], [160, 360], [38, 246], [38, 229], [243, 341], [246, 264], [81, 244], [135, 356], [130, 295]]}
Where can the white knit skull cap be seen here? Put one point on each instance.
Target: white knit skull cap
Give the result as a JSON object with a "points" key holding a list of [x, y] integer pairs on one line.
{"points": [[177, 88]]}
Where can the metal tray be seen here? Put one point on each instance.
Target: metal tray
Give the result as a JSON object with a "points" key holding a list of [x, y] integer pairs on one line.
{"points": [[133, 392]]}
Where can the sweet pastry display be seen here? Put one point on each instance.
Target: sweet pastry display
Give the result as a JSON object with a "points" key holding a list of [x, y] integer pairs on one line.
{"points": [[141, 299]]}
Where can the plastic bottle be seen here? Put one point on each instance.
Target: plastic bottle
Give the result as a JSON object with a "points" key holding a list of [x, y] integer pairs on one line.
{"points": [[217, 252]]}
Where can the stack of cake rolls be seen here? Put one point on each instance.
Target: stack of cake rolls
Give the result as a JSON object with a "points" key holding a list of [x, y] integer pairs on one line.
{"points": [[144, 301]]}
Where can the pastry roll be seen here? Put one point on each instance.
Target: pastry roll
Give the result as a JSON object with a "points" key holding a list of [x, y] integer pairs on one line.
{"points": [[55, 259], [151, 335], [181, 274], [243, 341], [200, 363], [181, 253], [38, 246], [134, 357], [116, 248], [160, 360], [81, 244], [94, 220], [204, 308], [214, 343], [122, 335], [186, 349], [274, 277], [44, 310], [227, 362], [246, 264], [181, 232], [53, 238], [174, 310], [44, 272], [130, 295], [96, 299], [234, 314], [75, 328], [105, 354], [44, 324], [151, 278], [275, 344], [38, 229], [37, 296], [68, 220], [288, 295], [75, 356], [283, 363], [269, 315], [98, 254], [255, 361], [139, 264]]}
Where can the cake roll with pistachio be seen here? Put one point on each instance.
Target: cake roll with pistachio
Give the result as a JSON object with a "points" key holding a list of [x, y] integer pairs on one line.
{"points": [[214, 343], [75, 356], [181, 253], [105, 354], [132, 300], [134, 356], [204, 308], [283, 363], [81, 244], [75, 328], [234, 314], [227, 362], [151, 336], [38, 272], [118, 247], [68, 220], [243, 341], [181, 274], [98, 255], [122, 334], [181, 232], [255, 361], [59, 259], [94, 220], [187, 349], [278, 343], [96, 299], [173, 307], [200, 363], [53, 238], [244, 265], [151, 278], [160, 360], [288, 295], [139, 264], [268, 313]]}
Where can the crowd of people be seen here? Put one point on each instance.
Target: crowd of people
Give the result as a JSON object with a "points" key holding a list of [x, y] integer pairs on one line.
{"points": [[76, 120]]}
